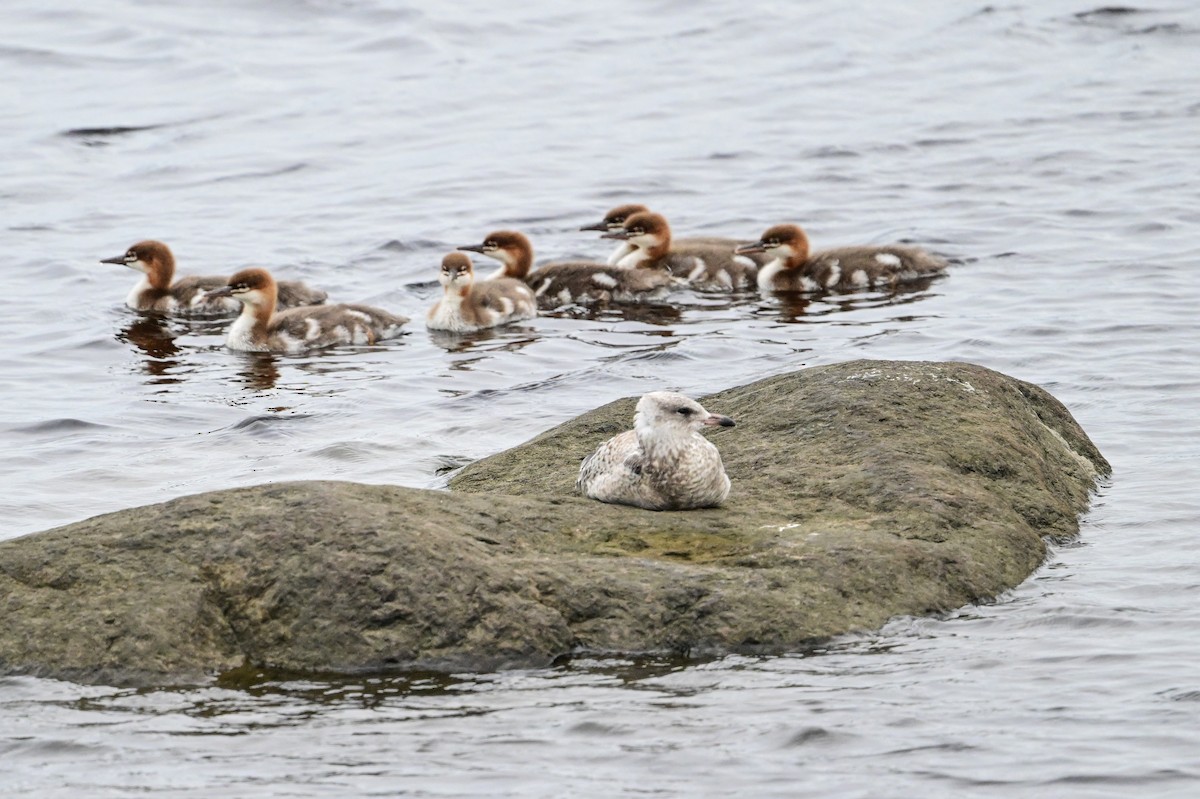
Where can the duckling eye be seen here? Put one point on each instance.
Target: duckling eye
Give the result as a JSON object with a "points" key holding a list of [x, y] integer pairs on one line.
{"points": [[772, 242], [637, 231], [491, 245], [131, 255]]}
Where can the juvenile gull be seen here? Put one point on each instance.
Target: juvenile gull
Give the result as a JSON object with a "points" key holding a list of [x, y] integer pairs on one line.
{"points": [[663, 463]]}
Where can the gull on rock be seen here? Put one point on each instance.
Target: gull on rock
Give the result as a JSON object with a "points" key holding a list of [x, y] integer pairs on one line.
{"points": [[260, 329], [158, 291], [794, 268], [469, 304], [663, 463]]}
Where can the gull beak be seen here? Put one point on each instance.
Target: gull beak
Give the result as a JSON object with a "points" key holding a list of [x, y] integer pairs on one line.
{"points": [[715, 420], [754, 246], [471, 248]]}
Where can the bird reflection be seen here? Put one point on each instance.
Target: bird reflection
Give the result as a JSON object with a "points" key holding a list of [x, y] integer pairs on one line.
{"points": [[260, 370], [791, 307], [645, 313], [796, 307], [508, 339], [150, 334]]}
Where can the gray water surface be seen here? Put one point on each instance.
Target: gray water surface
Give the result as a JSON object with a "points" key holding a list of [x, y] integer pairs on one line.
{"points": [[1051, 148]]}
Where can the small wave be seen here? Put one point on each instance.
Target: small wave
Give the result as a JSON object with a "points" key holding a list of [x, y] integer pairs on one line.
{"points": [[266, 423], [65, 425], [116, 130]]}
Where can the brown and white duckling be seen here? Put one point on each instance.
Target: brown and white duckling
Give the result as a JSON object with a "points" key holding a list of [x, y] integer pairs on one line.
{"points": [[473, 305], [716, 252], [260, 329], [663, 463], [563, 283], [189, 295], [706, 264], [794, 268]]}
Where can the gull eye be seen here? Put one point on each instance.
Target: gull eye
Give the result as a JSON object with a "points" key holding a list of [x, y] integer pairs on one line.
{"points": [[684, 411]]}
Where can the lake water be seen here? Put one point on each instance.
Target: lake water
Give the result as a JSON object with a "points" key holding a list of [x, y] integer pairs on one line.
{"points": [[1051, 147]]}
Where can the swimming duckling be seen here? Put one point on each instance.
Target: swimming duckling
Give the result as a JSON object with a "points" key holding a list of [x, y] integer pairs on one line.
{"points": [[260, 329], [473, 305], [557, 284], [713, 264], [663, 463], [793, 268], [704, 266], [189, 295]]}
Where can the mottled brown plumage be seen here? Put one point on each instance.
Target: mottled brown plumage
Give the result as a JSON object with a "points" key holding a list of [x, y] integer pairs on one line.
{"points": [[663, 463]]}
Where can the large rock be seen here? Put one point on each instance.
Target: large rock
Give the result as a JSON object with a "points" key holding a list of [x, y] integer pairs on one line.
{"points": [[861, 491]]}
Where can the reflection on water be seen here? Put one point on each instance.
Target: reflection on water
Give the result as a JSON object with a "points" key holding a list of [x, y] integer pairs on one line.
{"points": [[796, 307], [508, 338], [150, 334], [259, 371]]}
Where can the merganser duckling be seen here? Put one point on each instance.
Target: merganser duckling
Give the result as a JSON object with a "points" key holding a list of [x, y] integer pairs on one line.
{"points": [[474, 305], [189, 295], [663, 463], [260, 329], [705, 265], [557, 284], [793, 268], [722, 269]]}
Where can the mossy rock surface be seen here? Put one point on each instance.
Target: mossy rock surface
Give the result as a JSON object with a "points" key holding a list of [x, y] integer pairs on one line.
{"points": [[861, 491]]}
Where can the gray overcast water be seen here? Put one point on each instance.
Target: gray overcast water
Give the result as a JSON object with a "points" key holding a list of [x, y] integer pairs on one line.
{"points": [[1051, 147]]}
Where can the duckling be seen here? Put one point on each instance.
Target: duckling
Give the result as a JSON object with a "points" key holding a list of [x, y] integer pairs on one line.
{"points": [[189, 295], [704, 266], [558, 284], [260, 329], [722, 269], [793, 268], [473, 305]]}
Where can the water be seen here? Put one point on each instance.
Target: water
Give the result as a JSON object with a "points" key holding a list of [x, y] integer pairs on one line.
{"points": [[352, 143]]}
